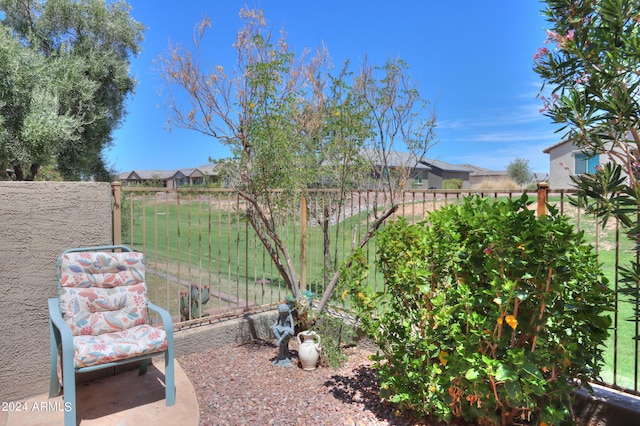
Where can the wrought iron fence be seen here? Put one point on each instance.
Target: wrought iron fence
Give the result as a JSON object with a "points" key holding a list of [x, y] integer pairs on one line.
{"points": [[205, 262]]}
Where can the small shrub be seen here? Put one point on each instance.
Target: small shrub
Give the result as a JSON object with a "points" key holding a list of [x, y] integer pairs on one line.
{"points": [[333, 331], [452, 184], [335, 335], [496, 184], [490, 314]]}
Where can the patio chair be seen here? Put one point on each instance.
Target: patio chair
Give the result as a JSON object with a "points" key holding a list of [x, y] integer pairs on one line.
{"points": [[100, 319]]}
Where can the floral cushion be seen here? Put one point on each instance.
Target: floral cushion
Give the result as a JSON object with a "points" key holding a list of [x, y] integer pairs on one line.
{"points": [[101, 269], [94, 311], [103, 298], [136, 341]]}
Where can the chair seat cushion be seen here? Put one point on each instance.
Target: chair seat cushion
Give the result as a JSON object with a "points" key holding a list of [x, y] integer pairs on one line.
{"points": [[104, 348]]}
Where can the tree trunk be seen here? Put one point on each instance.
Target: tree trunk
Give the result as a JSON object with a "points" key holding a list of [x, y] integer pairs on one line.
{"points": [[372, 231], [326, 243]]}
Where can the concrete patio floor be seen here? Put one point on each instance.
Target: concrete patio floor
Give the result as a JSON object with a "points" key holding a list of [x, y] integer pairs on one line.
{"points": [[123, 399]]}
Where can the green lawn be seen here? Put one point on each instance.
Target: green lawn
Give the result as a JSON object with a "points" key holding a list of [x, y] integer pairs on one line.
{"points": [[201, 243], [206, 241], [621, 347]]}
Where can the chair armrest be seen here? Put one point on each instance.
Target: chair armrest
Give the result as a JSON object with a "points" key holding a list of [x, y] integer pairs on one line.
{"points": [[167, 322], [66, 336]]}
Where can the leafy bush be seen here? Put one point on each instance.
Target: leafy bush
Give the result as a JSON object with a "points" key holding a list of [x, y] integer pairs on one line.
{"points": [[335, 334], [452, 184], [333, 331], [490, 313]]}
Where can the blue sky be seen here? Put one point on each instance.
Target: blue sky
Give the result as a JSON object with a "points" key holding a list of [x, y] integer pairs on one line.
{"points": [[474, 57]]}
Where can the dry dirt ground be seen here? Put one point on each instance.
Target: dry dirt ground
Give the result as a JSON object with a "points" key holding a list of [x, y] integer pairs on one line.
{"points": [[240, 386]]}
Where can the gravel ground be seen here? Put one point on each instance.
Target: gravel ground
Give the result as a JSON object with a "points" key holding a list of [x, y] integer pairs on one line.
{"points": [[240, 386]]}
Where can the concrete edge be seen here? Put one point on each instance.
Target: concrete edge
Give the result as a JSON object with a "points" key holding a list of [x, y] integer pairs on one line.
{"points": [[606, 406]]}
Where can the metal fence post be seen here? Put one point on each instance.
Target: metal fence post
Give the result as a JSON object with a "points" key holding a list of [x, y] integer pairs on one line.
{"points": [[116, 190], [303, 242]]}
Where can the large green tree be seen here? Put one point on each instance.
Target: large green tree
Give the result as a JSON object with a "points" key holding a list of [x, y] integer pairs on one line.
{"points": [[293, 126], [65, 78]]}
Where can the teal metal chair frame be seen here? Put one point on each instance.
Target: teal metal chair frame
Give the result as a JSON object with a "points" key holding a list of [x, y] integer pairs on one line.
{"points": [[61, 334]]}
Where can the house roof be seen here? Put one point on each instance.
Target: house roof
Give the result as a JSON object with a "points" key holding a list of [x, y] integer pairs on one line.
{"points": [[562, 142], [209, 169], [552, 147], [152, 174], [193, 171], [394, 159], [407, 159], [541, 177], [444, 166], [475, 169]]}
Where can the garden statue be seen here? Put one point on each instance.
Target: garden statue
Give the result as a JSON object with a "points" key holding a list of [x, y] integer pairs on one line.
{"points": [[283, 330]]}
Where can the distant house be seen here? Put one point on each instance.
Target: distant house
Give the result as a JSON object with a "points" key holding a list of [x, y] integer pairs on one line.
{"points": [[396, 161], [566, 159], [540, 177], [155, 178], [439, 171], [172, 178], [426, 173], [478, 175], [210, 172], [193, 176]]}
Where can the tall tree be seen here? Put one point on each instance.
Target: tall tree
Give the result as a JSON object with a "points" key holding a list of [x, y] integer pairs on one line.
{"points": [[593, 68], [290, 125], [85, 47], [32, 125]]}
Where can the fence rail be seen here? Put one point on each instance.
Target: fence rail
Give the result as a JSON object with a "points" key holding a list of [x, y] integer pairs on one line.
{"points": [[205, 262]]}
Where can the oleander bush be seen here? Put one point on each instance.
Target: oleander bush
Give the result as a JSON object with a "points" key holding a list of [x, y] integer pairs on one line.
{"points": [[491, 315]]}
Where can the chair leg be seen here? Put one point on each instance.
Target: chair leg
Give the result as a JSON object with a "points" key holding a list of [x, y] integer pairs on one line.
{"points": [[54, 383], [142, 366], [169, 378], [69, 390]]}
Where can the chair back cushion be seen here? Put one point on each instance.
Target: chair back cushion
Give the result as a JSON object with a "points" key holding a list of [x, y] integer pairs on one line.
{"points": [[102, 292]]}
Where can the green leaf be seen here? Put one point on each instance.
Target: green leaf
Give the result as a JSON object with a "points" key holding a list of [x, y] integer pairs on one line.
{"points": [[424, 288], [509, 285], [504, 372], [513, 389], [472, 374], [533, 371]]}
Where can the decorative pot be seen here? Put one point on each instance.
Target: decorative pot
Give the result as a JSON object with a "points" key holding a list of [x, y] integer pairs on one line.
{"points": [[308, 349]]}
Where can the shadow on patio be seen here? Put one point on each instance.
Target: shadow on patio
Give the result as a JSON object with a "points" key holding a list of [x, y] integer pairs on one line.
{"points": [[123, 399]]}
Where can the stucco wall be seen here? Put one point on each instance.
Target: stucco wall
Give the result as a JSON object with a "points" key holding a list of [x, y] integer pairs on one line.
{"points": [[561, 162], [38, 220]]}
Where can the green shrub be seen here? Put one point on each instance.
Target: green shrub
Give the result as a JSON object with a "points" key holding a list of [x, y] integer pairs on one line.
{"points": [[452, 184], [335, 334], [491, 314]]}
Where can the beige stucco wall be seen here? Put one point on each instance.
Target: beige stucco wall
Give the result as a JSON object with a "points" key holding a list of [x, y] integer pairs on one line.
{"points": [[562, 161], [37, 221]]}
